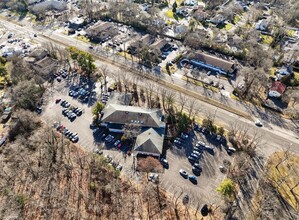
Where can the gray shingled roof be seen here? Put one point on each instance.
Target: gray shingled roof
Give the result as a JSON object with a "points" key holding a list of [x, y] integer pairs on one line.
{"points": [[122, 114], [149, 142]]}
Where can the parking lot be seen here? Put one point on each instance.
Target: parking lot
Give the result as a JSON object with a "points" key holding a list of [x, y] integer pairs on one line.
{"points": [[177, 156], [208, 180]]}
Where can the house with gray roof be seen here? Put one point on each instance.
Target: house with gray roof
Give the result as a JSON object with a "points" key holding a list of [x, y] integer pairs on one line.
{"points": [[149, 143], [151, 139]]}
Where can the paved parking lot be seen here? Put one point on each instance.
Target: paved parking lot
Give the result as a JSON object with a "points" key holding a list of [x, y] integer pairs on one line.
{"points": [[209, 179]]}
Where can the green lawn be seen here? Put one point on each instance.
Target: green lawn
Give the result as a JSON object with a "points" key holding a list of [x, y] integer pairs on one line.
{"points": [[228, 26], [82, 38], [237, 19], [272, 71], [266, 39], [170, 14], [290, 33]]}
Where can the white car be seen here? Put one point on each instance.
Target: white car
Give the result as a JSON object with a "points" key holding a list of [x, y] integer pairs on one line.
{"points": [[258, 123]]}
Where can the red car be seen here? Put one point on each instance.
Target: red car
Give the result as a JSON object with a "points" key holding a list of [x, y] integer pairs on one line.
{"points": [[57, 101]]}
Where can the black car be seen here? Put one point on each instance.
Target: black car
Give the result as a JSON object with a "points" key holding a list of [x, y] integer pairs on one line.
{"points": [[196, 171], [38, 110]]}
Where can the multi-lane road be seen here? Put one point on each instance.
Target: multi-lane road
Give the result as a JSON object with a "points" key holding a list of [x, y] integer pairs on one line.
{"points": [[277, 133]]}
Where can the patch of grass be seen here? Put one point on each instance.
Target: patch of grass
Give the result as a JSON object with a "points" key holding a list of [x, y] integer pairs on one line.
{"points": [[125, 54], [283, 176], [169, 14], [296, 76], [228, 26], [82, 38], [266, 39], [291, 33], [232, 96], [198, 83], [272, 71], [172, 69], [237, 19]]}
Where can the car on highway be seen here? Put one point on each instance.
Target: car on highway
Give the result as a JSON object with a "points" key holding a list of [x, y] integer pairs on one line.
{"points": [[184, 173], [192, 179], [258, 123]]}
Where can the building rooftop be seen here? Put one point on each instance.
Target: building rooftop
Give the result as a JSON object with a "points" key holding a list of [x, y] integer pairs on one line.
{"points": [[278, 87], [121, 114], [149, 142], [226, 65]]}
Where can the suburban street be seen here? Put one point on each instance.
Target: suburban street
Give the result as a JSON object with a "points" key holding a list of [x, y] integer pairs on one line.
{"points": [[276, 133]]}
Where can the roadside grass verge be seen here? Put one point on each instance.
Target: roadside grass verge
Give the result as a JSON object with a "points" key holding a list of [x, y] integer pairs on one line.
{"points": [[283, 176], [82, 38], [199, 83], [228, 26], [172, 69]]}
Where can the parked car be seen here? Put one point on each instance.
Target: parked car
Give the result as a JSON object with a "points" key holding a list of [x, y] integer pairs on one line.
{"points": [[193, 159], [116, 143], [57, 101], [177, 142], [75, 139], [97, 151], [231, 150], [200, 143], [38, 110], [196, 171], [197, 166], [164, 162], [119, 167], [108, 158], [184, 173], [184, 136], [193, 179], [258, 123], [153, 177], [195, 155]]}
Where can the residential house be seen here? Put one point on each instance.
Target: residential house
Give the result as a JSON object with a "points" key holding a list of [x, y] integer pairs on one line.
{"points": [[183, 11], [149, 143], [102, 31], [158, 46], [191, 2], [277, 89], [218, 19], [46, 67], [76, 23], [262, 25], [285, 70], [145, 40]]}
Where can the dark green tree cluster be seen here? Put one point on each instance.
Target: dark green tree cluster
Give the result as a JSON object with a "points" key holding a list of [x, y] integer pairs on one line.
{"points": [[84, 60]]}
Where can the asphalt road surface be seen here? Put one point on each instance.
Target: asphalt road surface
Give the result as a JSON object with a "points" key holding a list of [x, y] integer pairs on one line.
{"points": [[275, 136]]}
